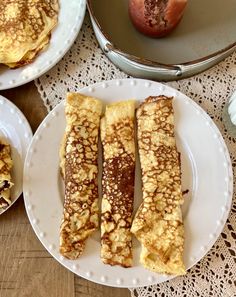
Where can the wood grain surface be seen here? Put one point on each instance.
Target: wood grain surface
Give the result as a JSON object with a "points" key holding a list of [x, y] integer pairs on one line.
{"points": [[26, 268]]}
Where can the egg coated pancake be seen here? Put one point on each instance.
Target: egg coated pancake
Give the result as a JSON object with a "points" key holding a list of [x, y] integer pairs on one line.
{"points": [[25, 29], [117, 136], [79, 159], [158, 223]]}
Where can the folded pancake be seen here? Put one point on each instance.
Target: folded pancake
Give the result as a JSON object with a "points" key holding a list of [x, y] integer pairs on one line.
{"points": [[5, 175], [117, 135], [26, 27], [80, 216], [158, 223]]}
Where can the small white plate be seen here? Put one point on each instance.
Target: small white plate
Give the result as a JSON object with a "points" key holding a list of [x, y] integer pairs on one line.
{"points": [[71, 16], [15, 129], [206, 172]]}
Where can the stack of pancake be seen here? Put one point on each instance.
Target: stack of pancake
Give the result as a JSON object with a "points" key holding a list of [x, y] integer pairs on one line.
{"points": [[25, 29]]}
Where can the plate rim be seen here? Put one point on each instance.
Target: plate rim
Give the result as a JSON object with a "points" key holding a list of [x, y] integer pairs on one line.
{"points": [[64, 50], [89, 90], [27, 125]]}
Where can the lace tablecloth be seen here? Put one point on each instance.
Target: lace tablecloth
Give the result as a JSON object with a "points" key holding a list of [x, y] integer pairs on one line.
{"points": [[85, 64]]}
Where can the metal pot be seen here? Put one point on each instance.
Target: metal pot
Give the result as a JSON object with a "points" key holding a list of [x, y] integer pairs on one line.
{"points": [[205, 36]]}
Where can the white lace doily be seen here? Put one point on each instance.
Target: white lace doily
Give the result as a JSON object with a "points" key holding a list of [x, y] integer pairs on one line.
{"points": [[85, 64]]}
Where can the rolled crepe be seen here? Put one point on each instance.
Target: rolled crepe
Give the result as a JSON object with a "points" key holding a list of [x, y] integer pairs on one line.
{"points": [[79, 167], [5, 175], [117, 135], [158, 223]]}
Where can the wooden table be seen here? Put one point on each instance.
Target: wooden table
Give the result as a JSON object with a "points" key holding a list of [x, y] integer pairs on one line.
{"points": [[26, 268]]}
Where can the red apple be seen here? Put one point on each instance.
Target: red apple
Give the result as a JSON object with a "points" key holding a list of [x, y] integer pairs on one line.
{"points": [[156, 18]]}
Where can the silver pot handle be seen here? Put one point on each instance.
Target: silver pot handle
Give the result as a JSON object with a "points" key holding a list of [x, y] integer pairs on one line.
{"points": [[207, 62], [175, 71], [143, 63]]}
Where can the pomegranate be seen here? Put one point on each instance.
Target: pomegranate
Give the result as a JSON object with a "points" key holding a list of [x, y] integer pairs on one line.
{"points": [[156, 18]]}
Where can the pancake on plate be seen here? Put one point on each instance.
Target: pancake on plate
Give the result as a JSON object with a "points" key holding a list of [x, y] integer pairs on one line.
{"points": [[158, 223], [117, 136], [5, 175], [25, 29], [78, 154]]}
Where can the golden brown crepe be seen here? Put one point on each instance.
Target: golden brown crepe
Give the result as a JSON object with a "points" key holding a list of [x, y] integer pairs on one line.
{"points": [[117, 135], [25, 29], [80, 217], [5, 175], [158, 223]]}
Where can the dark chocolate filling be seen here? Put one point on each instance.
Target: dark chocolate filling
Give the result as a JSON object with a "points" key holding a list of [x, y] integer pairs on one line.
{"points": [[1, 147], [6, 185]]}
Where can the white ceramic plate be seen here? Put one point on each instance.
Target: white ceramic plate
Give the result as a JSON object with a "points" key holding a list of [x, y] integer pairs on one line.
{"points": [[206, 172], [15, 129], [71, 16]]}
